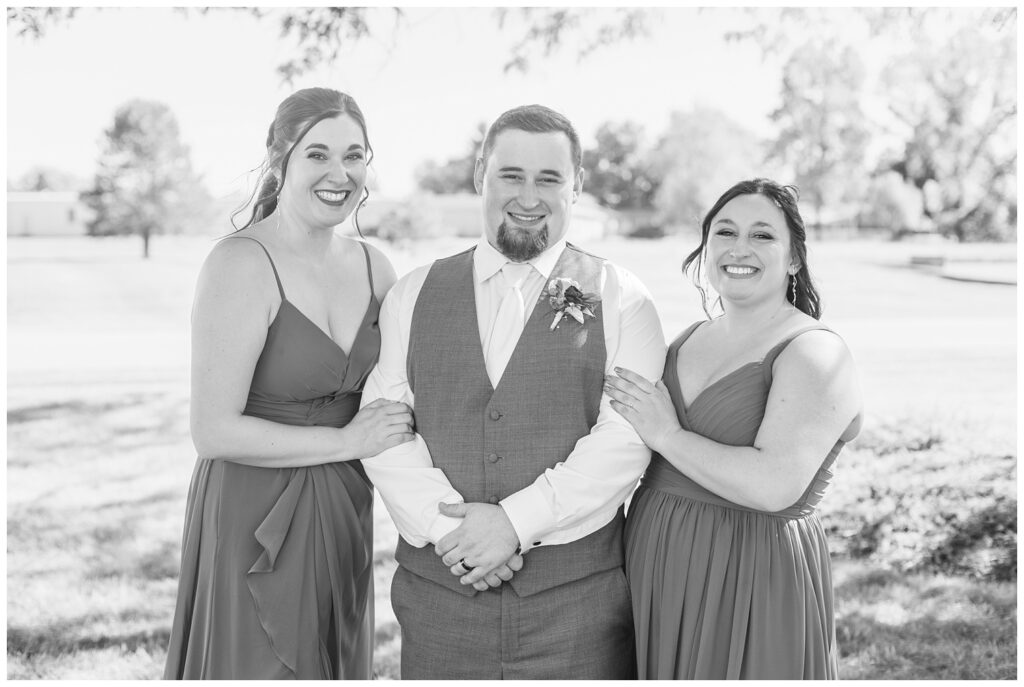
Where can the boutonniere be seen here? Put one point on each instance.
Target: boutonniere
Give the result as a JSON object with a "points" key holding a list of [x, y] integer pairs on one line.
{"points": [[566, 298]]}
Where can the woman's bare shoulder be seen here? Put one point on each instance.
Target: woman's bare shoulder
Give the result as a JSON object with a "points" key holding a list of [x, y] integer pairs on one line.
{"points": [[236, 263]]}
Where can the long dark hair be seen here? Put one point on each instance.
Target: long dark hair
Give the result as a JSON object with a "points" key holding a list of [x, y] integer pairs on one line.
{"points": [[296, 115], [785, 198]]}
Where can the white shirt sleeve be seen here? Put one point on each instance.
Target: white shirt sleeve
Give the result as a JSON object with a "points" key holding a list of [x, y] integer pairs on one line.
{"points": [[409, 484], [582, 494]]}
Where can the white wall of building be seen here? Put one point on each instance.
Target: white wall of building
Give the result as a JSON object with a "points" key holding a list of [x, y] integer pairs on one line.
{"points": [[46, 213]]}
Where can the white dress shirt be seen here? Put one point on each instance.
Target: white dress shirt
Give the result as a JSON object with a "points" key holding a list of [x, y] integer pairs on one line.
{"points": [[565, 503]]}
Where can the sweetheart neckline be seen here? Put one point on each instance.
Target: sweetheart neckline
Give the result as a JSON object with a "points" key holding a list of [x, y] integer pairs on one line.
{"points": [[688, 406]]}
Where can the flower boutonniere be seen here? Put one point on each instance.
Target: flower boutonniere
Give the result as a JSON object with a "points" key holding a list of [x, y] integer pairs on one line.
{"points": [[566, 298]]}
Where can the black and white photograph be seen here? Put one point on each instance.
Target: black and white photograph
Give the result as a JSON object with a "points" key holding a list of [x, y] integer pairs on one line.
{"points": [[511, 343]]}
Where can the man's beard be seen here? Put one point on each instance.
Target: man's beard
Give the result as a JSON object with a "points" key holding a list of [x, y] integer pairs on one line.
{"points": [[520, 245]]}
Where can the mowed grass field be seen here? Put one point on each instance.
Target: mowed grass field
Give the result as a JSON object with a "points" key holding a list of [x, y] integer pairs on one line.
{"points": [[99, 456]]}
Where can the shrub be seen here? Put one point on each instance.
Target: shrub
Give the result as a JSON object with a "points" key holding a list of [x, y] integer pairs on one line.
{"points": [[925, 498], [647, 231]]}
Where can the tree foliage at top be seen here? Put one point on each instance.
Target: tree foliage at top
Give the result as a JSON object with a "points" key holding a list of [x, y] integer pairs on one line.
{"points": [[34, 22], [145, 184], [320, 33], [550, 29]]}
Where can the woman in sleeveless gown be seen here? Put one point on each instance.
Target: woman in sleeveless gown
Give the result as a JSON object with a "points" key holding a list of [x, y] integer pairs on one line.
{"points": [[276, 571], [727, 561]]}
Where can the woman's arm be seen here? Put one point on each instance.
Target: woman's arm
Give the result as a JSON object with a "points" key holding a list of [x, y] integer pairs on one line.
{"points": [[233, 304], [814, 397]]}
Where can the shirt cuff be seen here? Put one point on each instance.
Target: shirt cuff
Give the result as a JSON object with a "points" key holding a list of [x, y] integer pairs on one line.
{"points": [[441, 526], [530, 516]]}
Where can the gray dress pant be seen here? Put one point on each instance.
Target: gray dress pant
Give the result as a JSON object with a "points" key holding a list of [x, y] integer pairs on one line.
{"points": [[578, 630]]}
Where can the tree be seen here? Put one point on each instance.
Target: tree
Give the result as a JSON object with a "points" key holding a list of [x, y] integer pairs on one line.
{"points": [[456, 175], [145, 184], [702, 154], [618, 170], [956, 99], [948, 79], [822, 130]]}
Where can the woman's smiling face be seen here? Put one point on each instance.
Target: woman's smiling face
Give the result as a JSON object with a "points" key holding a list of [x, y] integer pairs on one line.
{"points": [[326, 172], [749, 257]]}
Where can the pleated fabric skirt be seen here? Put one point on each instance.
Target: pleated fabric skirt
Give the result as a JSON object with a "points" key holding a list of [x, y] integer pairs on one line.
{"points": [[276, 575], [728, 593]]}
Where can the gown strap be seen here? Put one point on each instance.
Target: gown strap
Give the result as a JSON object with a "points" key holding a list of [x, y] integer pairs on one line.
{"points": [[668, 374], [769, 359], [272, 265], [369, 268], [681, 339]]}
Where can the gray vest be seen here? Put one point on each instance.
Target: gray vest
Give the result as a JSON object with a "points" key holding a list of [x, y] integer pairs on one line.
{"points": [[491, 443]]}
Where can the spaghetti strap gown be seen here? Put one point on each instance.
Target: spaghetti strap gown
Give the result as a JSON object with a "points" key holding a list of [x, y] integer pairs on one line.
{"points": [[721, 591], [276, 570]]}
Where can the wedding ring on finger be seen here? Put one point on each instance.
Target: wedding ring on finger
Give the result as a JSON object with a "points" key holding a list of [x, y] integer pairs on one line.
{"points": [[466, 566]]}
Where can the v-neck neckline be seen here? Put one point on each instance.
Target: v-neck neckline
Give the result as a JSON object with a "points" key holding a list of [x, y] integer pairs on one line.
{"points": [[359, 332]]}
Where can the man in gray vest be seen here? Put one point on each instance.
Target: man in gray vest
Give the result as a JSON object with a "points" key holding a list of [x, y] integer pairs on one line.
{"points": [[502, 350]]}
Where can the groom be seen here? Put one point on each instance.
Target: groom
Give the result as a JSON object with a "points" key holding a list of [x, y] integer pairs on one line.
{"points": [[513, 427]]}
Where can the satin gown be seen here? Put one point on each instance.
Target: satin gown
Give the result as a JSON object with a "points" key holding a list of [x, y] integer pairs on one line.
{"points": [[276, 573], [721, 591]]}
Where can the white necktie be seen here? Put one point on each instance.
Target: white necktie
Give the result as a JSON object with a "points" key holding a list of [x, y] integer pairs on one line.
{"points": [[508, 321]]}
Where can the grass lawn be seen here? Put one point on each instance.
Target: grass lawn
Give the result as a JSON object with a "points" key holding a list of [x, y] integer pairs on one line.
{"points": [[99, 456]]}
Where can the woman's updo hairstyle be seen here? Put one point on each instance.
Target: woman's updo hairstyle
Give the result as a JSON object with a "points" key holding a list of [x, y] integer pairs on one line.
{"points": [[296, 115]]}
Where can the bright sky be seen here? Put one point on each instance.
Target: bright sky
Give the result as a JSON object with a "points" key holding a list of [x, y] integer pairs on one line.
{"points": [[423, 87]]}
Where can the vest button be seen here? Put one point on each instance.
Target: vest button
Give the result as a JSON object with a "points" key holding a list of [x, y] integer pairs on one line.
{"points": [[495, 415], [493, 458], [493, 499]]}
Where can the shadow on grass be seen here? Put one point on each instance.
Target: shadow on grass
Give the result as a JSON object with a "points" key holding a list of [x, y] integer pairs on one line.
{"points": [[923, 650], [49, 433], [59, 639], [109, 541], [895, 626], [984, 545], [146, 500], [162, 563], [48, 411]]}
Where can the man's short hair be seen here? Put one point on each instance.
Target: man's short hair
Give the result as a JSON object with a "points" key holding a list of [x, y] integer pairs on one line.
{"points": [[535, 119]]}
